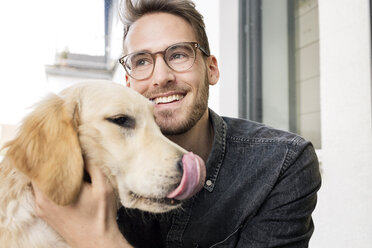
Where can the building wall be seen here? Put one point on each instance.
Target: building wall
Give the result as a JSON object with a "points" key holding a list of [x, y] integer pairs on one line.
{"points": [[212, 23], [228, 63], [343, 216]]}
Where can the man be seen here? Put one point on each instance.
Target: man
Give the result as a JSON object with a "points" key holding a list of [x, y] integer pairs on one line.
{"points": [[261, 183]]}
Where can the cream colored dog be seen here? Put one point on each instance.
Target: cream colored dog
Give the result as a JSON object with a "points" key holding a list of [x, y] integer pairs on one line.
{"points": [[101, 123]]}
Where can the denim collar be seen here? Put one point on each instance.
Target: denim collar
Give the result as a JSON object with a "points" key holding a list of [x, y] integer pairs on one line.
{"points": [[217, 154]]}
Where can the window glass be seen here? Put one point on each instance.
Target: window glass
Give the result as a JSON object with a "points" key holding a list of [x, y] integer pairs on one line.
{"points": [[307, 70], [290, 67], [279, 65]]}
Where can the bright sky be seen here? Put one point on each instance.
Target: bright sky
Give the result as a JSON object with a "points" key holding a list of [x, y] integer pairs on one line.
{"points": [[32, 32]]}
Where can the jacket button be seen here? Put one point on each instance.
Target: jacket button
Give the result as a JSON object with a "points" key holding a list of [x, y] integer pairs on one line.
{"points": [[208, 182]]}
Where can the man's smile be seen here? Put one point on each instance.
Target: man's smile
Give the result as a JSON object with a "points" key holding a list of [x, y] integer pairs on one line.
{"points": [[167, 98]]}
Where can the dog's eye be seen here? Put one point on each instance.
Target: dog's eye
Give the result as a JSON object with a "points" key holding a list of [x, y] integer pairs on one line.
{"points": [[123, 121]]}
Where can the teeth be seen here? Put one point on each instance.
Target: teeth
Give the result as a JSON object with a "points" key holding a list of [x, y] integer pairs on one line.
{"points": [[167, 99]]}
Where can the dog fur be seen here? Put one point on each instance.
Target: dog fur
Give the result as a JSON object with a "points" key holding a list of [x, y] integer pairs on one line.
{"points": [[101, 123]]}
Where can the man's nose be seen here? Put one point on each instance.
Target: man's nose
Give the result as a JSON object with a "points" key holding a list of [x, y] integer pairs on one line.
{"points": [[162, 73]]}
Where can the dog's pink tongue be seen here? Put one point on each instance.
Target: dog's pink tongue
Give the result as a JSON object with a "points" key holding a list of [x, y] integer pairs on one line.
{"points": [[193, 177]]}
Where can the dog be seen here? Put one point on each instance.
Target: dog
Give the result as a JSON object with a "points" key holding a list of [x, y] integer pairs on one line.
{"points": [[102, 123]]}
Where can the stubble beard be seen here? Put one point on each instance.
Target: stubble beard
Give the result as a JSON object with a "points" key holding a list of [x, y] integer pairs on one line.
{"points": [[168, 123]]}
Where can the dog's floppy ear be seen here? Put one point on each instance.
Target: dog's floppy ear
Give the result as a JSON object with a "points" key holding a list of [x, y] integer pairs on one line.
{"points": [[47, 150]]}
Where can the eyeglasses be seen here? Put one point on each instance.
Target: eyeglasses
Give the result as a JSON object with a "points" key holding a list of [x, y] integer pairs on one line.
{"points": [[179, 57]]}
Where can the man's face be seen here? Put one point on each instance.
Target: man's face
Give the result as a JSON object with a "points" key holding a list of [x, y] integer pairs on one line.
{"points": [[182, 96]]}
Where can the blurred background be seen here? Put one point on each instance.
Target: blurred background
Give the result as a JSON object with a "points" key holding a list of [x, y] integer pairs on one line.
{"points": [[298, 65]]}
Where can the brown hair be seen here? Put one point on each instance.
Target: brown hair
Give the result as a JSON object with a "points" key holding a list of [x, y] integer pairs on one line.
{"points": [[132, 10]]}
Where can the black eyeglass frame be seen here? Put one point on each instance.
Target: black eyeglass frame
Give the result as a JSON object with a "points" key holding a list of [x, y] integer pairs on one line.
{"points": [[195, 46]]}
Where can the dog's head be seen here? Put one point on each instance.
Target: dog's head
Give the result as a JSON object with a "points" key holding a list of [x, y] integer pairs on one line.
{"points": [[110, 126]]}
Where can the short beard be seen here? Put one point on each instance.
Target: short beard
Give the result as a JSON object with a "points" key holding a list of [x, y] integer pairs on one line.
{"points": [[194, 114]]}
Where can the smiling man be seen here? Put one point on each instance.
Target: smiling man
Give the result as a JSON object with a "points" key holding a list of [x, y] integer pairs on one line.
{"points": [[166, 64], [261, 183]]}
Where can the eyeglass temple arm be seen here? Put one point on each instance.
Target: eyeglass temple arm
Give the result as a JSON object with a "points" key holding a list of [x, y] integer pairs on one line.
{"points": [[202, 49]]}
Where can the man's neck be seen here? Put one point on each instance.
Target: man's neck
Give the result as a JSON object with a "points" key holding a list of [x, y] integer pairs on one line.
{"points": [[199, 139]]}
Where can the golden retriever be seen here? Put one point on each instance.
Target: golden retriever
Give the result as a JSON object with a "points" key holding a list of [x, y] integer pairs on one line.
{"points": [[101, 123]]}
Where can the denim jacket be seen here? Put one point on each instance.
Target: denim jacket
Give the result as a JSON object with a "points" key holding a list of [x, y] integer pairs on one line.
{"points": [[260, 191]]}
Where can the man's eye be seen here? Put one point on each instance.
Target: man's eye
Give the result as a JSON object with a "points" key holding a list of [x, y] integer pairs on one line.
{"points": [[178, 56], [142, 62], [123, 121]]}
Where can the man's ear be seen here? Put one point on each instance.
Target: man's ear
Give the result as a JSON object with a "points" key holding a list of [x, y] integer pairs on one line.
{"points": [[127, 80], [212, 70], [47, 150]]}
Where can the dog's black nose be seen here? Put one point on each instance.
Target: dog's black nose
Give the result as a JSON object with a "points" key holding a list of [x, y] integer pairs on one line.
{"points": [[180, 165]]}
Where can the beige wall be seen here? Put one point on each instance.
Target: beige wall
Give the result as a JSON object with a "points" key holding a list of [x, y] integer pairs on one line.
{"points": [[307, 70]]}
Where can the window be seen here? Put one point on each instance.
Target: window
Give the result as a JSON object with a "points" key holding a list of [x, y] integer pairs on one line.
{"points": [[279, 65]]}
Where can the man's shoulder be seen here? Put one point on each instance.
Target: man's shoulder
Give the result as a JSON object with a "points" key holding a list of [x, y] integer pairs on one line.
{"points": [[247, 131], [272, 151]]}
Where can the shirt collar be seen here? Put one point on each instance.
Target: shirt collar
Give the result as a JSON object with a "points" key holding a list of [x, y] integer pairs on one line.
{"points": [[217, 154]]}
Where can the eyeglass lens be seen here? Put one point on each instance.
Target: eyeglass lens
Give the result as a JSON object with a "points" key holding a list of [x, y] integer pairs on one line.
{"points": [[179, 57]]}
